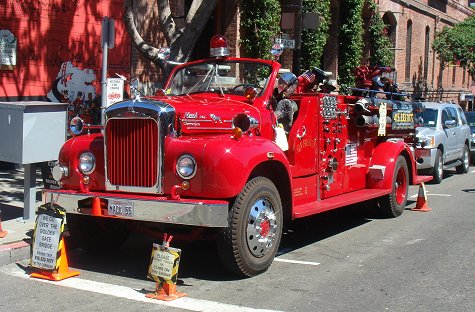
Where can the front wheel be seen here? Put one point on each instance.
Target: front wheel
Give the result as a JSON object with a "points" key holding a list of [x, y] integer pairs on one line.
{"points": [[438, 170], [465, 166], [249, 244], [393, 204]]}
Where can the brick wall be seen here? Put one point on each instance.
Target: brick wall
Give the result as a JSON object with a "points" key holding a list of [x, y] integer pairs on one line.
{"points": [[426, 16]]}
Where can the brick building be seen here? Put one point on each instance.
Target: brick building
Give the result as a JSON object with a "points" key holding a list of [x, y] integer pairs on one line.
{"points": [[412, 25], [58, 36]]}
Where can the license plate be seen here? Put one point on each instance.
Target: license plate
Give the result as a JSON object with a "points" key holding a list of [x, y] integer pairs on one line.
{"points": [[121, 208]]}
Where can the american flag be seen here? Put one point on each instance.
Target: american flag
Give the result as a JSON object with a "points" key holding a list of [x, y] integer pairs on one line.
{"points": [[309, 75], [351, 155]]}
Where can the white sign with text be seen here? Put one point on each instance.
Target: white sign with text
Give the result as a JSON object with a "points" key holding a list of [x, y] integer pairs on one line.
{"points": [[45, 247], [115, 90]]}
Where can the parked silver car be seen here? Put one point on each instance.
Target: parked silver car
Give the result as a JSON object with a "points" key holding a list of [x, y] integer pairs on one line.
{"points": [[471, 123], [443, 140]]}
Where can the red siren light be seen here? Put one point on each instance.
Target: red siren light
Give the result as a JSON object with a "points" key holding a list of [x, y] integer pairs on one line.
{"points": [[218, 46]]}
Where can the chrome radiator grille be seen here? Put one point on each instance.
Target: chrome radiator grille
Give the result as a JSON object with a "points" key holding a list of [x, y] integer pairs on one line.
{"points": [[132, 152]]}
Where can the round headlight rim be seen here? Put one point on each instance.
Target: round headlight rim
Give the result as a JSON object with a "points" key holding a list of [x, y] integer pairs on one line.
{"points": [[87, 172], [195, 166]]}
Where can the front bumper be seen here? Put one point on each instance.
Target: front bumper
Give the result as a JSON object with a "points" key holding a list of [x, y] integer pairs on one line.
{"points": [[425, 158], [205, 213]]}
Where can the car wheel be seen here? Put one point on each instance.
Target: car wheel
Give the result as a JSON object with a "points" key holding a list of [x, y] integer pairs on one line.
{"points": [[249, 244], [393, 204], [465, 166], [438, 170], [95, 234]]}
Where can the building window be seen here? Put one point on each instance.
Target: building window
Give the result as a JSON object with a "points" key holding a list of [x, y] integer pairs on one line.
{"points": [[426, 53], [463, 76], [408, 50]]}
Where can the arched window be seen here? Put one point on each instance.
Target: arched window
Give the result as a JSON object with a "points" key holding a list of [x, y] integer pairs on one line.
{"points": [[408, 50], [426, 52], [390, 21]]}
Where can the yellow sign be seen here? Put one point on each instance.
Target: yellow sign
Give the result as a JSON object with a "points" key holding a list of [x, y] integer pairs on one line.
{"points": [[164, 264]]}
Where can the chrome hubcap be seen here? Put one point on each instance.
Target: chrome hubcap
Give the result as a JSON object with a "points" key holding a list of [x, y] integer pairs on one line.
{"points": [[261, 227]]}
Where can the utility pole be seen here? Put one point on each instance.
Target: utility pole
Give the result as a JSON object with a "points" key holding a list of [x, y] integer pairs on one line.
{"points": [[107, 41], [298, 39]]}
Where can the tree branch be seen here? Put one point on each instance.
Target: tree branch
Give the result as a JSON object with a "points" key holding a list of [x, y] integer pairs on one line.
{"points": [[148, 51]]}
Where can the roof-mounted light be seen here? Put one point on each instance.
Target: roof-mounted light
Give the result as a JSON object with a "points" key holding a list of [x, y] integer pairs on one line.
{"points": [[218, 46]]}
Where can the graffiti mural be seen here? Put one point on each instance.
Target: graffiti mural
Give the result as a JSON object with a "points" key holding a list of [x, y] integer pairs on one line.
{"points": [[77, 87], [59, 36]]}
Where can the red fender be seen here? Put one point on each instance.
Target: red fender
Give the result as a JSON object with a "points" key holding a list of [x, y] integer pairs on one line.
{"points": [[385, 156]]}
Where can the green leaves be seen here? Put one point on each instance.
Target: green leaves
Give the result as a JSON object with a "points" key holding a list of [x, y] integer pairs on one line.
{"points": [[313, 41], [351, 42], [381, 54], [260, 20], [457, 44]]}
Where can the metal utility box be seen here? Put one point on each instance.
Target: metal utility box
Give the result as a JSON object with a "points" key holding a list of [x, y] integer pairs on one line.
{"points": [[31, 132]]}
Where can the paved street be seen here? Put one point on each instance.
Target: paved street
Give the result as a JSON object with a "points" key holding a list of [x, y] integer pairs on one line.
{"points": [[346, 260]]}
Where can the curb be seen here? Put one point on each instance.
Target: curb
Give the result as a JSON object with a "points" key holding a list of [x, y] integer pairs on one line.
{"points": [[13, 252]]}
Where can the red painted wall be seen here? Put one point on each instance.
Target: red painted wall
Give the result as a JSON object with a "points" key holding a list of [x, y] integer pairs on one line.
{"points": [[52, 32]]}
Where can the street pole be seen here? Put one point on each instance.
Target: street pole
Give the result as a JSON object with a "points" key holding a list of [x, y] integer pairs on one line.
{"points": [[298, 40], [107, 40]]}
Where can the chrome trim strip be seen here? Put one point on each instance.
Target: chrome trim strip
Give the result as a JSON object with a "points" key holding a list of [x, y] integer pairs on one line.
{"points": [[163, 211]]}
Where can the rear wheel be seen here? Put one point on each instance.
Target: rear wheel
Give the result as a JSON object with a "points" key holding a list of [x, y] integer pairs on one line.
{"points": [[465, 166], [438, 170], [393, 204], [95, 234], [249, 244]]}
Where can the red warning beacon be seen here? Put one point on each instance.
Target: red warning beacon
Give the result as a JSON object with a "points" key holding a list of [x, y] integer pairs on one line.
{"points": [[218, 46]]}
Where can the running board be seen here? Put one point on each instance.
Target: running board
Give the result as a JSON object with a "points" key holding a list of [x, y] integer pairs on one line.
{"points": [[453, 164], [338, 201]]}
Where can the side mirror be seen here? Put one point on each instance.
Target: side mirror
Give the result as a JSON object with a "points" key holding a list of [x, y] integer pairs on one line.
{"points": [[449, 123], [76, 126]]}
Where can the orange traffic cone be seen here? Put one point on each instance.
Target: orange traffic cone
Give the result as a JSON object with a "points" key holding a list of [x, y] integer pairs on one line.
{"points": [[166, 292], [63, 271], [2, 232], [421, 204], [96, 207]]}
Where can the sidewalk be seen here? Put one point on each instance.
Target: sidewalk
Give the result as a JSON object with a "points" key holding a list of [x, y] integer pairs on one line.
{"points": [[15, 246]]}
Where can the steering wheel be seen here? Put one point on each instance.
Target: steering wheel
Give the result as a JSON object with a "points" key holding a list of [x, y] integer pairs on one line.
{"points": [[244, 86]]}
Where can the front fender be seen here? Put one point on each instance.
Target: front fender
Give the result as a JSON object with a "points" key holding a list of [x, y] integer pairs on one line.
{"points": [[385, 156], [224, 164]]}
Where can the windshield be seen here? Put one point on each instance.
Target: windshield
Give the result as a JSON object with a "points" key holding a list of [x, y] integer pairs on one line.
{"points": [[470, 119], [429, 117], [224, 77]]}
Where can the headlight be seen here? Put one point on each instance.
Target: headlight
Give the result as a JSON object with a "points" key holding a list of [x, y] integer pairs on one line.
{"points": [[87, 163], [186, 166], [427, 141]]}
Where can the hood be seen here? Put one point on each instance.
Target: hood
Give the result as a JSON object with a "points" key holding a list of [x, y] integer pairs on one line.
{"points": [[424, 131], [203, 113], [208, 114]]}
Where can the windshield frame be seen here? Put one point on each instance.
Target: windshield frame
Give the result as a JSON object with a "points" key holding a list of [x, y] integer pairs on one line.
{"points": [[263, 90]]}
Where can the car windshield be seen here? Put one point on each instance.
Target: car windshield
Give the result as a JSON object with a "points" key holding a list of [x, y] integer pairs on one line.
{"points": [[470, 119], [429, 117], [222, 76]]}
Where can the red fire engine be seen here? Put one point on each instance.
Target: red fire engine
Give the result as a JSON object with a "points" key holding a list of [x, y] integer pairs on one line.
{"points": [[233, 149]]}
